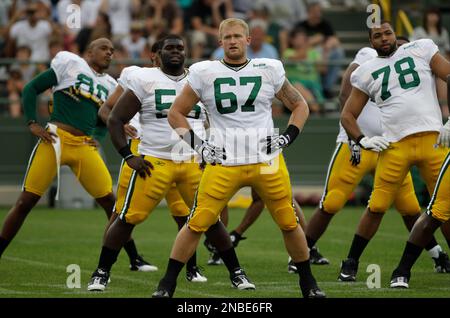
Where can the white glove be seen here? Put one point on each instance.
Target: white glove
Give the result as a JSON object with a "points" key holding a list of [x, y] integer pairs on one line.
{"points": [[375, 143], [355, 150], [444, 135], [210, 153]]}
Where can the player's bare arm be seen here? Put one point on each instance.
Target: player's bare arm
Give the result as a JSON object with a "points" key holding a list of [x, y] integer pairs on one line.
{"points": [[295, 102], [352, 108], [441, 68], [346, 86], [181, 107], [126, 107], [108, 105]]}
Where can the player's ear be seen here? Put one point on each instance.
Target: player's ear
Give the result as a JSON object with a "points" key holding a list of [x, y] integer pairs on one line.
{"points": [[249, 39]]}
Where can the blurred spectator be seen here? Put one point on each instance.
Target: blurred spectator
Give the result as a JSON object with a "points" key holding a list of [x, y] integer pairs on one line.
{"points": [[120, 54], [88, 14], [322, 36], [258, 47], [55, 46], [165, 15], [31, 32], [26, 69], [5, 7], [120, 12], [134, 43], [15, 86], [304, 68], [206, 16], [275, 34], [102, 29], [241, 8], [432, 29], [285, 13]]}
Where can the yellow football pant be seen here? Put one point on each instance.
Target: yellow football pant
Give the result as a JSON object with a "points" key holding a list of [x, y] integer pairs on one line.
{"points": [[84, 160], [394, 164], [343, 177], [219, 183]]}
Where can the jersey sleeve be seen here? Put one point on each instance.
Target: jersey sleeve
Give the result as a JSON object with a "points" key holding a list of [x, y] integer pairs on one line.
{"points": [[427, 49], [136, 85], [360, 80], [124, 75], [278, 76], [365, 54], [194, 78], [61, 64]]}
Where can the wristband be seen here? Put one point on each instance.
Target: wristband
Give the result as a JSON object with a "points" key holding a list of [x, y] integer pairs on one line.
{"points": [[192, 139], [292, 131], [125, 152], [359, 139]]}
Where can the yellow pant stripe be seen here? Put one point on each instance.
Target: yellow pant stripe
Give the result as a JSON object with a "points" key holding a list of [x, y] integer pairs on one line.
{"points": [[130, 191], [29, 163], [330, 168], [438, 183]]}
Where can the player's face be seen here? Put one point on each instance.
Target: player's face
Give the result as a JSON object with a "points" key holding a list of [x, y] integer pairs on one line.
{"points": [[173, 53], [383, 40], [102, 54], [234, 42]]}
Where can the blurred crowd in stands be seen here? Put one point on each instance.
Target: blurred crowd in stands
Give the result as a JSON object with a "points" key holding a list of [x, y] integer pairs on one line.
{"points": [[292, 30]]}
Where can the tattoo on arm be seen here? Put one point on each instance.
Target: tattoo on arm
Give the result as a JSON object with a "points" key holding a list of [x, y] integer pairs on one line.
{"points": [[289, 95]]}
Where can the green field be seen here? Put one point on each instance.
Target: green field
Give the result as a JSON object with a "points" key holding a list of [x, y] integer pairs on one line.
{"points": [[35, 263]]}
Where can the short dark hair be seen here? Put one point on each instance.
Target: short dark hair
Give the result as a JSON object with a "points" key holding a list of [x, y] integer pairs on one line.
{"points": [[169, 37], [381, 23]]}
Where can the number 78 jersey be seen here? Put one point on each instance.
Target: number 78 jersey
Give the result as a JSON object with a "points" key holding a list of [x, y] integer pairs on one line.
{"points": [[403, 87], [238, 101]]}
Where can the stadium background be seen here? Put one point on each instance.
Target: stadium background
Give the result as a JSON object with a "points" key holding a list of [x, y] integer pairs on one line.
{"points": [[307, 159], [50, 240]]}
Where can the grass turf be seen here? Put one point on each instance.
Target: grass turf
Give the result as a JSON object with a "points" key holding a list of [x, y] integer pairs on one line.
{"points": [[35, 263]]}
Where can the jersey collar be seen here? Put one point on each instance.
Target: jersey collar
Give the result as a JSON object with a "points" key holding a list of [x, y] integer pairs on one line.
{"points": [[236, 67]]}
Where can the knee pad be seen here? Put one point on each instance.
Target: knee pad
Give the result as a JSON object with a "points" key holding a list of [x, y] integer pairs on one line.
{"points": [[202, 219], [408, 205], [285, 218], [380, 201], [333, 202]]}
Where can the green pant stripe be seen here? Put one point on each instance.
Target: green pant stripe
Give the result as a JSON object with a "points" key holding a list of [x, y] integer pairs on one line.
{"points": [[120, 173], [129, 195], [30, 161], [438, 182], [330, 168], [194, 206]]}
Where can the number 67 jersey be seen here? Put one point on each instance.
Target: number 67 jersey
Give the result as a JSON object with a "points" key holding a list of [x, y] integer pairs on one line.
{"points": [[156, 91], [238, 101], [403, 87]]}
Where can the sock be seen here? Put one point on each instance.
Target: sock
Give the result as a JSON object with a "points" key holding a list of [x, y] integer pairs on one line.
{"points": [[311, 242], [230, 259], [131, 250], [431, 244], [107, 258], [434, 252], [409, 257], [192, 262], [359, 243], [3, 245], [306, 277], [174, 268]]}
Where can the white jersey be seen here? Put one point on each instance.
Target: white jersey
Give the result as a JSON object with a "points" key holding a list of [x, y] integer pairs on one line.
{"points": [[403, 87], [156, 91], [239, 105], [123, 82], [73, 71], [370, 118]]}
